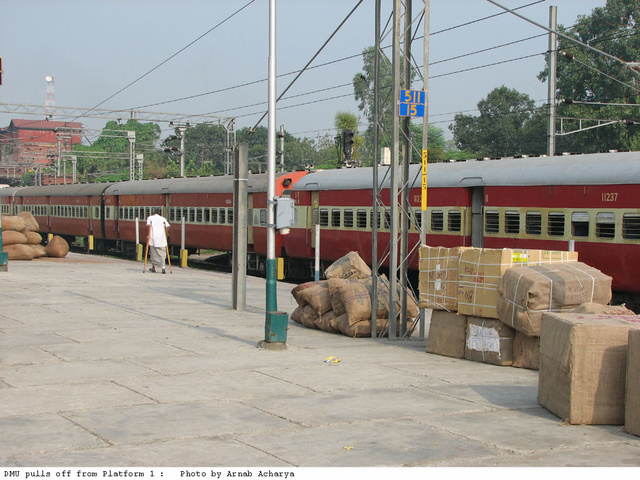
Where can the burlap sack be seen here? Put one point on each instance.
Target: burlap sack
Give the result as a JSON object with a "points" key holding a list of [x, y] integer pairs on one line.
{"points": [[13, 222], [57, 247], [297, 292], [334, 290], [356, 298], [18, 251], [308, 316], [30, 221], [349, 266], [13, 237], [38, 251], [318, 296], [295, 315], [33, 238], [326, 322], [527, 292], [526, 351]]}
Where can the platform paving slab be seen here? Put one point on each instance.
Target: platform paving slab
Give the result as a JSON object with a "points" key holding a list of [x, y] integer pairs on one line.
{"points": [[103, 365]]}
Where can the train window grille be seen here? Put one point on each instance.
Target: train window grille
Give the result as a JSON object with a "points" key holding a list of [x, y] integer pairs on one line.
{"points": [[605, 225], [335, 218], [437, 221], [230, 215], [580, 224], [555, 224], [631, 226], [511, 222], [192, 214], [199, 214], [207, 215], [172, 214], [491, 221], [263, 217], [147, 212], [387, 220], [324, 217], [96, 212], [533, 223], [361, 219], [417, 215], [223, 215], [348, 218], [454, 220], [315, 216], [214, 215]]}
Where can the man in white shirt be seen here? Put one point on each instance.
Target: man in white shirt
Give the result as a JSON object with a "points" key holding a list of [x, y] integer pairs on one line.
{"points": [[157, 239]]}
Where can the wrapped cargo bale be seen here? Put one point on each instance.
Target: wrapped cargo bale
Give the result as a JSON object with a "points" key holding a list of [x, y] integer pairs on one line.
{"points": [[489, 341], [480, 271], [13, 222], [30, 221], [18, 251], [603, 309], [33, 238], [38, 251], [57, 247], [632, 397], [13, 237], [527, 292], [335, 284], [447, 334], [438, 277], [526, 351], [350, 266], [583, 361]]}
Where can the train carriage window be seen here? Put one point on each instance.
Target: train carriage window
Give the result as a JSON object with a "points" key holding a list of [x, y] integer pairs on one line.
{"points": [[437, 220], [172, 214], [418, 219], [512, 222], [533, 223], [207, 215], [324, 217], [230, 215], [147, 212], [199, 214], [605, 225], [491, 221], [631, 226], [223, 216], [555, 224], [580, 224], [263, 217], [214, 215], [96, 212], [361, 219], [348, 218], [192, 214], [454, 220], [335, 217], [387, 220]]}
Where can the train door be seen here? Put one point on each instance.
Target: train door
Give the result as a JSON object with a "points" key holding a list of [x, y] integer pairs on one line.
{"points": [[477, 225], [250, 219]]}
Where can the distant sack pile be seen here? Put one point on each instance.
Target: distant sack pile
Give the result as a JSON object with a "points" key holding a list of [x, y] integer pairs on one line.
{"points": [[342, 302], [21, 240]]}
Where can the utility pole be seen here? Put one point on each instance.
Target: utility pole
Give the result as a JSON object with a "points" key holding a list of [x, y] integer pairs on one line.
{"points": [[551, 81]]}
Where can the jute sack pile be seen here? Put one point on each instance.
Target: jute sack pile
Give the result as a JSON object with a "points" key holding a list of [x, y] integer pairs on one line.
{"points": [[21, 240]]}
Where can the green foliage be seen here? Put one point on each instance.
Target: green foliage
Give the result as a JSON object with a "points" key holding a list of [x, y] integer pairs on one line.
{"points": [[593, 77], [505, 127]]}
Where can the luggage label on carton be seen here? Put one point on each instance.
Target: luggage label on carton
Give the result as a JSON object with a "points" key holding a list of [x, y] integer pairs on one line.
{"points": [[483, 339], [519, 257]]}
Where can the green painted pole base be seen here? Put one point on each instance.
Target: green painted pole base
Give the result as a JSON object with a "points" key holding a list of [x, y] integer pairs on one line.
{"points": [[4, 261], [275, 329]]}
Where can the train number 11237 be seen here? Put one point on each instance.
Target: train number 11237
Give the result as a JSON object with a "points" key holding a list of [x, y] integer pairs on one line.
{"points": [[609, 196]]}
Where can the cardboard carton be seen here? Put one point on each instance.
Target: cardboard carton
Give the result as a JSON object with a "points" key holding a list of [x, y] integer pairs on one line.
{"points": [[583, 362], [489, 341], [438, 277], [447, 334], [632, 402]]}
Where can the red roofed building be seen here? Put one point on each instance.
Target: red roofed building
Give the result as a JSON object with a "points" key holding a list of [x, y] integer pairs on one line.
{"points": [[34, 144]]}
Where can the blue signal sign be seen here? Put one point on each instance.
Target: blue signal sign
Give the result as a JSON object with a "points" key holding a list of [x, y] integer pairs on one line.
{"points": [[412, 103]]}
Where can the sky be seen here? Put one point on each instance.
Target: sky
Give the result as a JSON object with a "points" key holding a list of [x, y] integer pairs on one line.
{"points": [[211, 56]]}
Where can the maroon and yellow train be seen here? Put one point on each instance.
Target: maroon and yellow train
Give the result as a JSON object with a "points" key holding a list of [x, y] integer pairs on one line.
{"points": [[588, 203]]}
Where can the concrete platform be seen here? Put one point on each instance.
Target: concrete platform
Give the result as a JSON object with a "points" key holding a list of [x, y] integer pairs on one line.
{"points": [[102, 365]]}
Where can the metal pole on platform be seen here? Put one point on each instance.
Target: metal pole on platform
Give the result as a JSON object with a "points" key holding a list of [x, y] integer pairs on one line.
{"points": [[241, 172], [276, 322]]}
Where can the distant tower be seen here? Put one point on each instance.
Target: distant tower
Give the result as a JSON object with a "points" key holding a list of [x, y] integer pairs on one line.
{"points": [[50, 105]]}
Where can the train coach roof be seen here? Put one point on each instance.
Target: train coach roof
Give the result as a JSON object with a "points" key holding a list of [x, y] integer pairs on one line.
{"points": [[61, 190], [585, 169], [213, 184]]}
